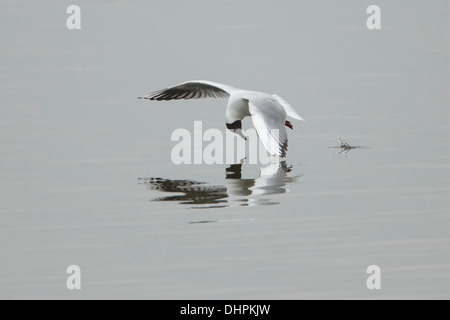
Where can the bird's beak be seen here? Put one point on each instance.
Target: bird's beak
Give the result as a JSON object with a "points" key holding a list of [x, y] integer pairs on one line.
{"points": [[239, 133]]}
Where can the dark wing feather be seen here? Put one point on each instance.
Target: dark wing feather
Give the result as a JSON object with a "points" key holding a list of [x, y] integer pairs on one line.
{"points": [[189, 90]]}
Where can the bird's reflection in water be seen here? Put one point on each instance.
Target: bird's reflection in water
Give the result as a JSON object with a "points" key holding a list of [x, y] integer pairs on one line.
{"points": [[236, 191], [188, 192]]}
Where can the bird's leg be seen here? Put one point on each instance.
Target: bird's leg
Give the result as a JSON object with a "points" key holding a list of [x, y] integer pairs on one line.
{"points": [[289, 124]]}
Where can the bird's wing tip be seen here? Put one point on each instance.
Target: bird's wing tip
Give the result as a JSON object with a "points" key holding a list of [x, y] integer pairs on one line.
{"points": [[296, 117]]}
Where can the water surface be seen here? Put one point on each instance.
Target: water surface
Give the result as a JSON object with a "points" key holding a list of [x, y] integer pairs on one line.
{"points": [[86, 176]]}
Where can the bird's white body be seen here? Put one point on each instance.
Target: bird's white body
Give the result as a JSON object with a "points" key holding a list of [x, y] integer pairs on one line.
{"points": [[268, 111]]}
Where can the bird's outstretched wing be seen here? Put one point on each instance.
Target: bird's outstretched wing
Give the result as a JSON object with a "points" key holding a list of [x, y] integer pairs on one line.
{"points": [[289, 110], [269, 120], [192, 90]]}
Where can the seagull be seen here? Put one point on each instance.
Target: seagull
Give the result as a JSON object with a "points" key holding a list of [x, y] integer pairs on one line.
{"points": [[268, 111]]}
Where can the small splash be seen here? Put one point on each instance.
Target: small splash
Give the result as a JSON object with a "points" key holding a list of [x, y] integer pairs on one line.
{"points": [[345, 146]]}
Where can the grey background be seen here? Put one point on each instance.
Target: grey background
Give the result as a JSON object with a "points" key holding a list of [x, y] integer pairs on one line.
{"points": [[74, 140]]}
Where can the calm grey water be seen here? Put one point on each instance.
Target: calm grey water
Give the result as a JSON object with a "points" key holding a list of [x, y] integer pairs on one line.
{"points": [[86, 176]]}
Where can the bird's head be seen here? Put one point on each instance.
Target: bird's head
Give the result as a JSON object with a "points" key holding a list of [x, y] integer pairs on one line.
{"points": [[236, 127]]}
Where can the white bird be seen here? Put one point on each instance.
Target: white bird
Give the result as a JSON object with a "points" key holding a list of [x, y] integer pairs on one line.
{"points": [[268, 111]]}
